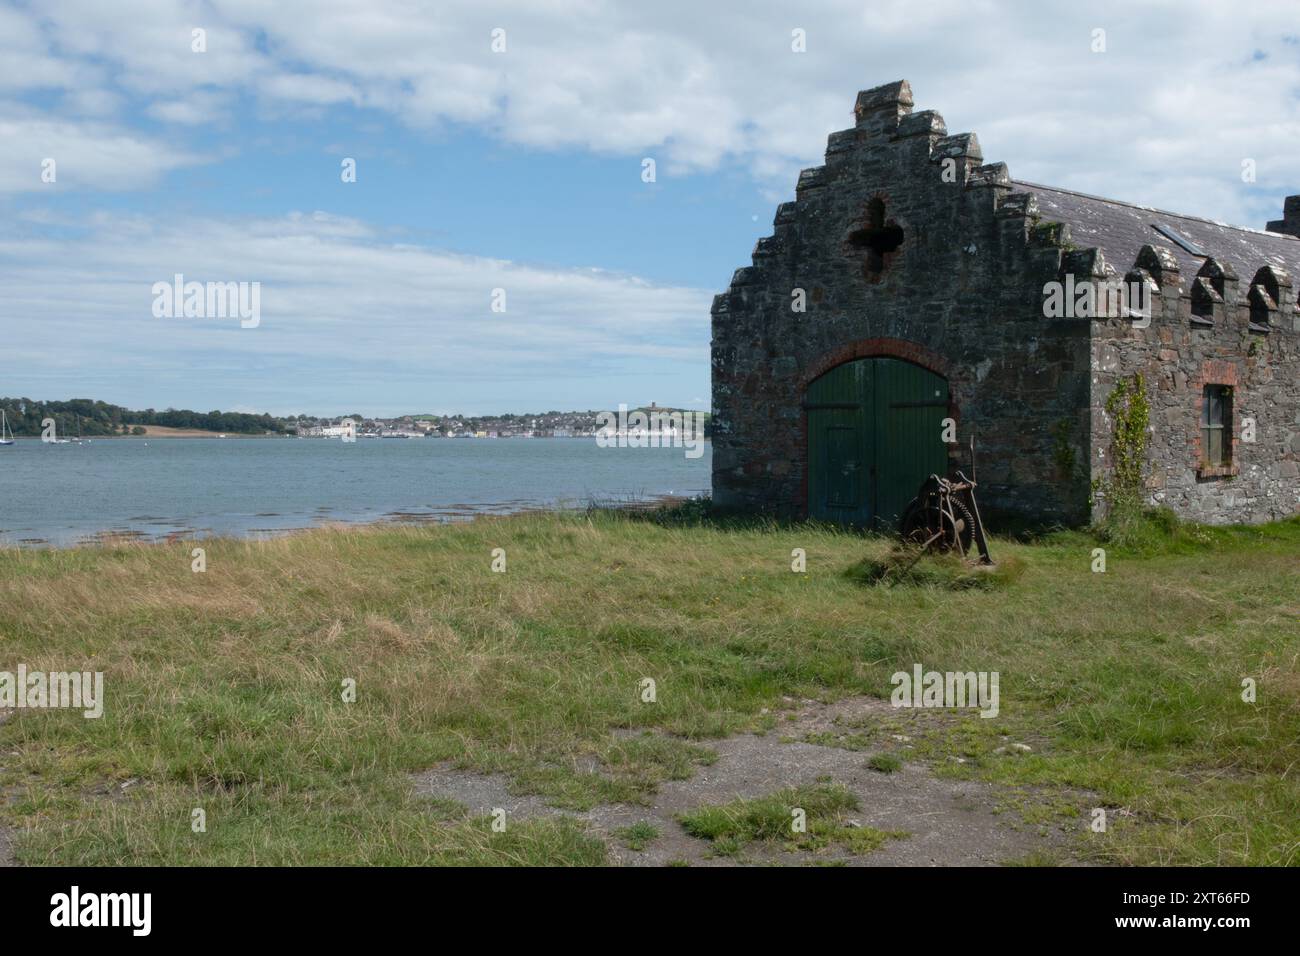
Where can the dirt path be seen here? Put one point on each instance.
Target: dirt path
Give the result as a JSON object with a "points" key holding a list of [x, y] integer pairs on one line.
{"points": [[948, 822]]}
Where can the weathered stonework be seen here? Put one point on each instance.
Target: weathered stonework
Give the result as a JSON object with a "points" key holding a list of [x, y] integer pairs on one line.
{"points": [[1179, 354], [961, 293]]}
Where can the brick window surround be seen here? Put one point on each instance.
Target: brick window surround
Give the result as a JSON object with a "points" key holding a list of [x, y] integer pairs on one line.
{"points": [[1225, 374]]}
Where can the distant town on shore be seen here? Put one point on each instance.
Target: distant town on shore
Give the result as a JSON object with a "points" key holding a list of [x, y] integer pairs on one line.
{"points": [[89, 418]]}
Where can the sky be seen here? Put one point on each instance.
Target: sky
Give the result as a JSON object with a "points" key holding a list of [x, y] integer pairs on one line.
{"points": [[503, 146]]}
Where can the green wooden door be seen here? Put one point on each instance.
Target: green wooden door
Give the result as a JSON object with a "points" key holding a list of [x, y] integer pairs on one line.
{"points": [[875, 432], [838, 445]]}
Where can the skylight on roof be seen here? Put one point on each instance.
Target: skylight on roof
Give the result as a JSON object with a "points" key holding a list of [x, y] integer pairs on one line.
{"points": [[1179, 238]]}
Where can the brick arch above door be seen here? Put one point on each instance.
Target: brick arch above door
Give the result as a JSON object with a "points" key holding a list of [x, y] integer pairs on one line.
{"points": [[876, 348], [863, 349]]}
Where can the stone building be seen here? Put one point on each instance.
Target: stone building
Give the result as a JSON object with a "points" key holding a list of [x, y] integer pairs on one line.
{"points": [[913, 298]]}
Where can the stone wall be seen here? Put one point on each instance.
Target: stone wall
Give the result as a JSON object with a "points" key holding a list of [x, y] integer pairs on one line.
{"points": [[1241, 336], [961, 294]]}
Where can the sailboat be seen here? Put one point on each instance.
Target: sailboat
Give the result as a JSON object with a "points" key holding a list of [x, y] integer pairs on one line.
{"points": [[56, 440], [5, 430]]}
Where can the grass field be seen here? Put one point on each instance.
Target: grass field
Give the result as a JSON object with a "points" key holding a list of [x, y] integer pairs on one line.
{"points": [[224, 688]]}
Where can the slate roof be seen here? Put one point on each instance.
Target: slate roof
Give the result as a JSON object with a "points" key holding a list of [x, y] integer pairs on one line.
{"points": [[1121, 229]]}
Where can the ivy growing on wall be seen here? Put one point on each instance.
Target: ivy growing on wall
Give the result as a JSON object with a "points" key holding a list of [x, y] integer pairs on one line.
{"points": [[1130, 414]]}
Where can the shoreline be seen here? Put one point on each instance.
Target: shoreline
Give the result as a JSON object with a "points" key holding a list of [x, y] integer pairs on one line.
{"points": [[123, 537], [85, 439], [228, 436]]}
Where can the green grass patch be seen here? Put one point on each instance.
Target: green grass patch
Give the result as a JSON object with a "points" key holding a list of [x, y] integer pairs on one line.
{"points": [[906, 567], [885, 763], [799, 818], [1133, 530], [223, 689], [638, 836], [767, 818]]}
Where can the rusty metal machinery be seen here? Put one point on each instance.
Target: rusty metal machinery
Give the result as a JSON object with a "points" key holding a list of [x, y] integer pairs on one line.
{"points": [[944, 517]]}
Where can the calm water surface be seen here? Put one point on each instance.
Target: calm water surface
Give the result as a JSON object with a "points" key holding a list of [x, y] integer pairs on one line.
{"points": [[152, 488]]}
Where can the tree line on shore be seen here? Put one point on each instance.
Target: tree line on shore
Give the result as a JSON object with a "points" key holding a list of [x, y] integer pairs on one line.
{"points": [[90, 418]]}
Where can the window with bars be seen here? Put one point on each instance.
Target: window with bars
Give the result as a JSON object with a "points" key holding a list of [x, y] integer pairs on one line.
{"points": [[1216, 425]]}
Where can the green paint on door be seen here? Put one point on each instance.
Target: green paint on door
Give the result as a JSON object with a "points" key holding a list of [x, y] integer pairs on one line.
{"points": [[875, 432]]}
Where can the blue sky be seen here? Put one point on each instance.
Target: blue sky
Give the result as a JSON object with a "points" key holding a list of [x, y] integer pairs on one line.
{"points": [[522, 170], [462, 190]]}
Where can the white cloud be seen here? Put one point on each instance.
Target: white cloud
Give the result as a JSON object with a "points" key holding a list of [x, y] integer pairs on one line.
{"points": [[306, 88], [26, 61], [198, 108], [92, 102], [1176, 100], [339, 305], [85, 154]]}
